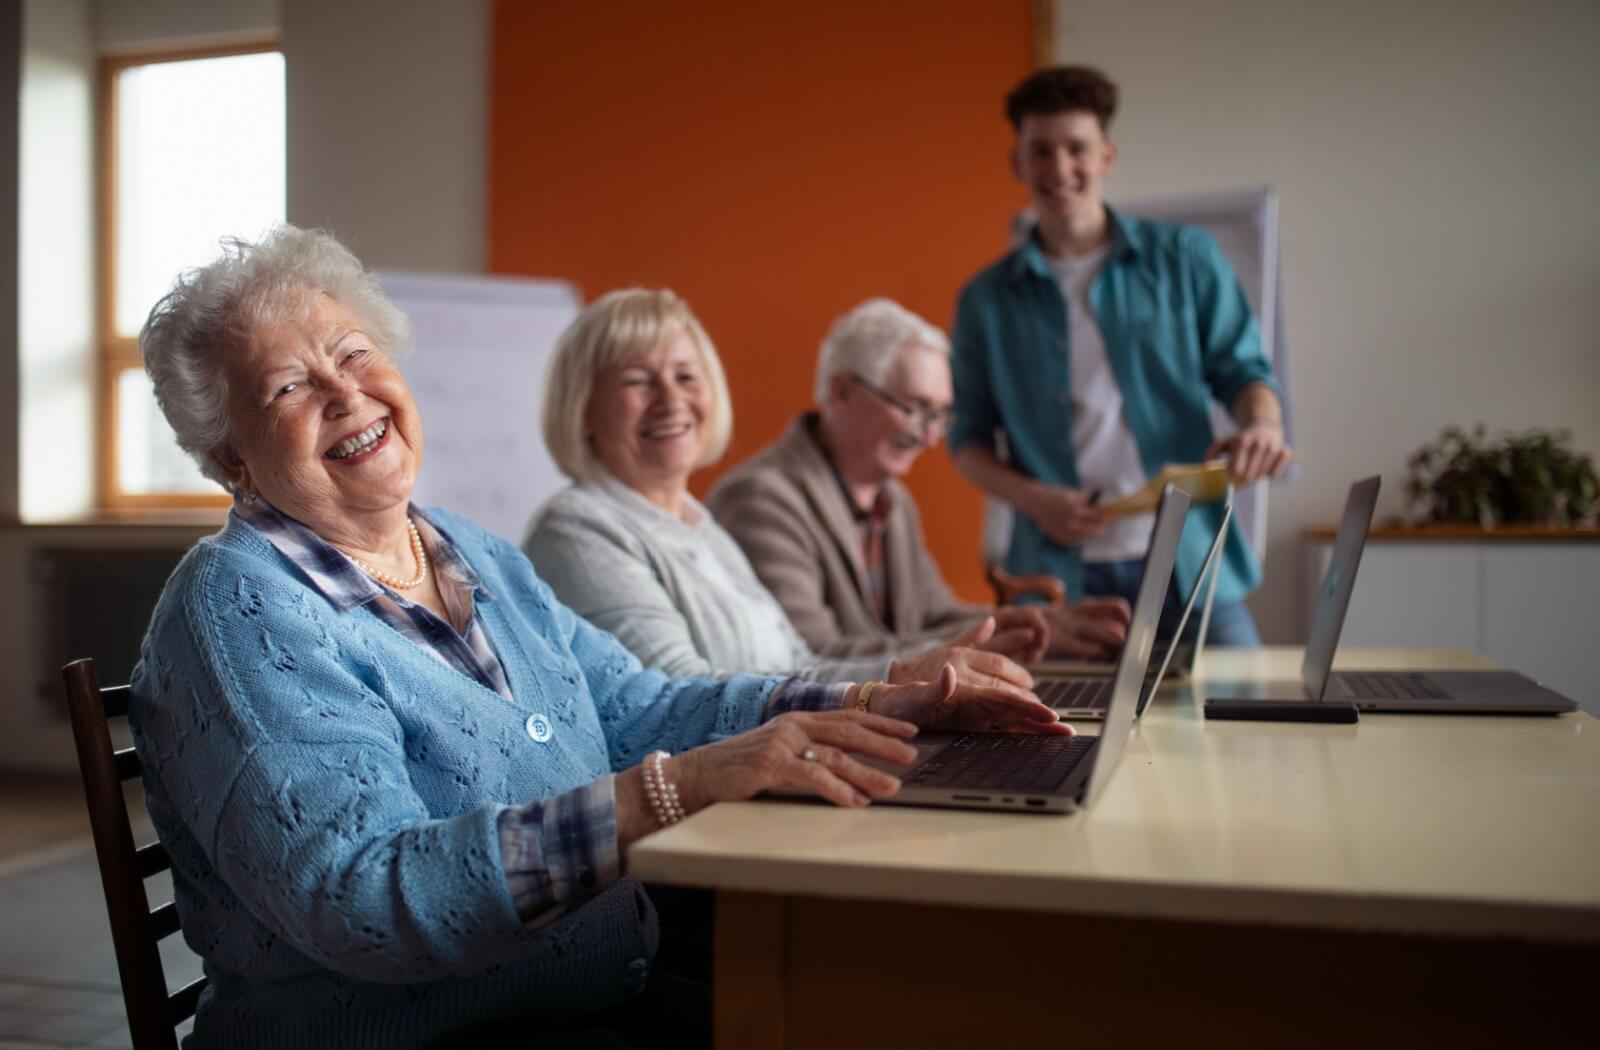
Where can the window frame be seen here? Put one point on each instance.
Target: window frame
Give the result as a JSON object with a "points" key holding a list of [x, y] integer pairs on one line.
{"points": [[115, 353]]}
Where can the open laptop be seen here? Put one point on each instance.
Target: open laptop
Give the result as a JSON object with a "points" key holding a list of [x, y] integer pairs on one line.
{"points": [[1039, 773], [1421, 691], [1087, 696]]}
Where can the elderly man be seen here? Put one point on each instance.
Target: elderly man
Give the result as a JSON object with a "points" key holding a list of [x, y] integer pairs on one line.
{"points": [[834, 535]]}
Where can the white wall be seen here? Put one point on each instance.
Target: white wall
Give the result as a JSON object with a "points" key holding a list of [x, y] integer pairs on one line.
{"points": [[388, 115], [56, 305], [10, 86], [1436, 162], [126, 25]]}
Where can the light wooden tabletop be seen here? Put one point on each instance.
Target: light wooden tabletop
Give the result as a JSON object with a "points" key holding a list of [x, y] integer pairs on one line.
{"points": [[1406, 823]]}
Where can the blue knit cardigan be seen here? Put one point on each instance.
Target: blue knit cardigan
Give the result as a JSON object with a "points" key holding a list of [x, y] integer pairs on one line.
{"points": [[329, 793]]}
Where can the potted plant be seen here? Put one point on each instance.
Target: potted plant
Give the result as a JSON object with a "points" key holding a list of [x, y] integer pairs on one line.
{"points": [[1531, 478]]}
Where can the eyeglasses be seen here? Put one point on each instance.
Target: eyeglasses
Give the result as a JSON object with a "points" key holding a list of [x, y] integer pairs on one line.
{"points": [[922, 418]]}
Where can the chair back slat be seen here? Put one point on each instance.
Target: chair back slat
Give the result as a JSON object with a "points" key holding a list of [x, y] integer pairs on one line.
{"points": [[181, 1004], [135, 930], [127, 764], [114, 698], [152, 859], [164, 921]]}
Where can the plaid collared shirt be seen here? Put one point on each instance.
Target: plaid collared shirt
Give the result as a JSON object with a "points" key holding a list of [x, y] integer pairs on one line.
{"points": [[348, 586], [555, 851]]}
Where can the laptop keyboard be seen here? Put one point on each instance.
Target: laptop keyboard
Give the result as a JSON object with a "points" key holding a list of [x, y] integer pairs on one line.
{"points": [[1076, 694], [1004, 762], [1389, 685]]}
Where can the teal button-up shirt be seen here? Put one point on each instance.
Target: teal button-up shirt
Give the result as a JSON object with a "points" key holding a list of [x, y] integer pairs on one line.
{"points": [[1178, 332]]}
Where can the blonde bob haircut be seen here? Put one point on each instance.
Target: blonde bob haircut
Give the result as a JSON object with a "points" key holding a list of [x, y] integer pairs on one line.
{"points": [[615, 327]]}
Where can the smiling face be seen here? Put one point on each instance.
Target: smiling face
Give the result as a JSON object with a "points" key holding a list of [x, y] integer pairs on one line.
{"points": [[1063, 159], [874, 440], [324, 425], [649, 418]]}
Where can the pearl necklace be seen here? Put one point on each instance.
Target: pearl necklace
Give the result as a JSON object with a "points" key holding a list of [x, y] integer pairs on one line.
{"points": [[394, 581]]}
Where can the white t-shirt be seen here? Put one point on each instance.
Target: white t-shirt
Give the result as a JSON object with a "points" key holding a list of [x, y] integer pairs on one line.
{"points": [[1108, 458]]}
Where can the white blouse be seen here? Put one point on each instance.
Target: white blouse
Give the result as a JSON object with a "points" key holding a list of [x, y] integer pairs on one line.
{"points": [[678, 592]]}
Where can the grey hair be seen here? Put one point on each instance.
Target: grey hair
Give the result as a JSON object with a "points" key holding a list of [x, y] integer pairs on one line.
{"points": [[864, 342], [217, 309], [609, 331]]}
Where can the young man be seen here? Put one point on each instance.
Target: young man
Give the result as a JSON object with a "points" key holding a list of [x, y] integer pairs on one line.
{"points": [[836, 538], [1096, 347]]}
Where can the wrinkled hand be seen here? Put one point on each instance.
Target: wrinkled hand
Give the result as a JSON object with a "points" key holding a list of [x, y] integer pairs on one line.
{"points": [[1092, 627], [1021, 633], [973, 665], [1065, 515], [770, 756], [948, 704], [1253, 452]]}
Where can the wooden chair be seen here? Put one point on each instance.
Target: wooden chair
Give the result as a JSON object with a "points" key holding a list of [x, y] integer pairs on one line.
{"points": [[1009, 588], [136, 928]]}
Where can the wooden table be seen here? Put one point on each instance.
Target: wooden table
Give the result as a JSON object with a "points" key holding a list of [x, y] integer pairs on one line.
{"points": [[1411, 880]]}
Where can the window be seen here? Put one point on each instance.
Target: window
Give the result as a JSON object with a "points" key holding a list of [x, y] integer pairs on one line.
{"points": [[192, 149]]}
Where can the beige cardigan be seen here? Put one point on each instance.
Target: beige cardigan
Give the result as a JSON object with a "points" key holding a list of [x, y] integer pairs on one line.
{"points": [[787, 510]]}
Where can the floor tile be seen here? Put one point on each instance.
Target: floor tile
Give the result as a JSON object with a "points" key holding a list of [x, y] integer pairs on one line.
{"points": [[13, 991], [62, 1029], [118, 1040], [56, 999]]}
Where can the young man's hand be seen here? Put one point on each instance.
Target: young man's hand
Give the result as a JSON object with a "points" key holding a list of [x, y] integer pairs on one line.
{"points": [[1254, 452], [1067, 516]]}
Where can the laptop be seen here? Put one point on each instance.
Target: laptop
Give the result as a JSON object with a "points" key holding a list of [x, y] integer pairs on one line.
{"points": [[1416, 692], [1034, 772], [1085, 696]]}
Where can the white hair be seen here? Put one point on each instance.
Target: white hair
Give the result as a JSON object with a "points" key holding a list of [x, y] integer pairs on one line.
{"points": [[217, 309], [609, 331], [864, 343]]}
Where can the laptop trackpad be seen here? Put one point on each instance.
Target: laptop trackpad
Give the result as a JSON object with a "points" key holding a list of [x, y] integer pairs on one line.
{"points": [[926, 748], [1486, 685]]}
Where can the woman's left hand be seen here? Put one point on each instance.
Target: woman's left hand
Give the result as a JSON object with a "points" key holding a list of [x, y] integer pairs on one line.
{"points": [[949, 704]]}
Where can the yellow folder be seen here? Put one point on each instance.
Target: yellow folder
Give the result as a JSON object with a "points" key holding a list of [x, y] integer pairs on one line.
{"points": [[1204, 482]]}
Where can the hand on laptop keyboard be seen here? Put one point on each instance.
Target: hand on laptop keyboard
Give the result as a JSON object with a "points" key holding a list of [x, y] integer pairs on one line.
{"points": [[1093, 628], [800, 749], [953, 705]]}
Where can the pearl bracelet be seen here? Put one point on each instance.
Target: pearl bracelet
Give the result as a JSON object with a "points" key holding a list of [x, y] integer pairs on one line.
{"points": [[663, 793]]}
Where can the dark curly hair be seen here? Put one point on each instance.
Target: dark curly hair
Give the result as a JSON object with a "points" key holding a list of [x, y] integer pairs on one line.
{"points": [[1062, 89]]}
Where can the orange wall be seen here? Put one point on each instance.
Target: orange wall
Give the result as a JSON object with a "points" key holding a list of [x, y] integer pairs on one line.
{"points": [[774, 164]]}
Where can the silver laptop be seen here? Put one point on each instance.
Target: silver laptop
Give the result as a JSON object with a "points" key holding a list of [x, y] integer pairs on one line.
{"points": [[1085, 696], [1421, 691], [1039, 773]]}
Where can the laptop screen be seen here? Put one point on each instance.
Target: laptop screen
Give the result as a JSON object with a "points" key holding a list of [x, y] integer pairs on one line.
{"points": [[1141, 637], [1152, 680], [1333, 599]]}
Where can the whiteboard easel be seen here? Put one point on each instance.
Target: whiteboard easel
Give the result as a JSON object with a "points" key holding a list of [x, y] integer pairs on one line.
{"points": [[476, 373]]}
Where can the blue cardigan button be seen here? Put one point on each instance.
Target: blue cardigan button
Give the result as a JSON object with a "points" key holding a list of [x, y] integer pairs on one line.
{"points": [[539, 728], [634, 976]]}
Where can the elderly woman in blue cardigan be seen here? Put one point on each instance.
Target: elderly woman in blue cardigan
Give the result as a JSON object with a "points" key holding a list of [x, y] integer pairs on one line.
{"points": [[397, 777]]}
